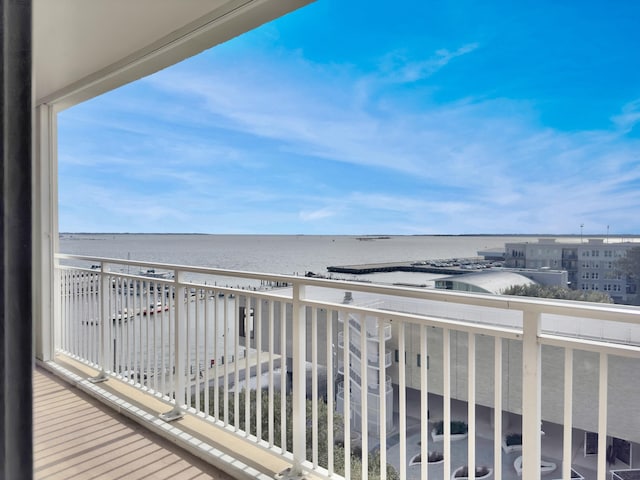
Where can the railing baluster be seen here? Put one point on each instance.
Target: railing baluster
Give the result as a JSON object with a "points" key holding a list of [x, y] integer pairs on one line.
{"points": [[283, 376], [446, 399], [258, 349], [66, 313], [90, 319], [103, 325], [347, 395], [164, 363], [424, 405], [171, 345], [130, 319], [218, 326], [471, 404], [151, 316], [69, 313], [271, 404], [196, 342], [402, 399], [156, 318], [78, 316], [180, 350], [84, 313], [247, 367], [139, 330], [190, 379], [603, 385], [531, 400], [364, 394], [298, 390], [62, 310], [236, 364], [568, 413], [120, 319], [206, 353], [135, 349], [225, 356], [497, 407], [330, 392], [314, 387], [382, 399]]}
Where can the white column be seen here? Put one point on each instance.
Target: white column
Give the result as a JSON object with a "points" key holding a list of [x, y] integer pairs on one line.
{"points": [[45, 232]]}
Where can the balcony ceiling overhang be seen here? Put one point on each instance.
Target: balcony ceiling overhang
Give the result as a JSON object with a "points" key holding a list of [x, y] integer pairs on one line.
{"points": [[83, 48]]}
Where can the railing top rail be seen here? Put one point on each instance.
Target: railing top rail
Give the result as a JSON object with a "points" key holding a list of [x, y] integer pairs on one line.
{"points": [[182, 268], [611, 312]]}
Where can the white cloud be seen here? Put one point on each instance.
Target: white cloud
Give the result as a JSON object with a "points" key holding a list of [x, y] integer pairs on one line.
{"points": [[397, 68], [629, 117], [319, 214], [475, 165]]}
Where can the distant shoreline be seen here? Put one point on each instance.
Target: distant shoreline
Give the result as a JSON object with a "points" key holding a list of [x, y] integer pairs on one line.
{"points": [[372, 236]]}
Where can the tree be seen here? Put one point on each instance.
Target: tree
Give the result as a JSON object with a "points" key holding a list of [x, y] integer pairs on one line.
{"points": [[321, 435], [630, 266], [557, 292]]}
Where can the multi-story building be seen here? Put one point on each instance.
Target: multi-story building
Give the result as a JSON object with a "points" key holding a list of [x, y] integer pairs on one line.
{"points": [[369, 329], [590, 265]]}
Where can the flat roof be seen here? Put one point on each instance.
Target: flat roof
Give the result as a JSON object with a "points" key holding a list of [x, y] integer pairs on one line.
{"points": [[490, 281]]}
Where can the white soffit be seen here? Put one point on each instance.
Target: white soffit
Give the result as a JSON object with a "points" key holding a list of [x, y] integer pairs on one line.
{"points": [[83, 48]]}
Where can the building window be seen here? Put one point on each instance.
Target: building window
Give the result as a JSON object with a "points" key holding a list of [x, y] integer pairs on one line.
{"points": [[398, 356], [418, 361]]}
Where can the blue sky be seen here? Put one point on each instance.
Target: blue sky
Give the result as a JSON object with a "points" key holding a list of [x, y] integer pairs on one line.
{"points": [[439, 117]]}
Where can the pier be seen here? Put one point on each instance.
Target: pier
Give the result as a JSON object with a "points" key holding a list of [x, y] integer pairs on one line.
{"points": [[451, 266]]}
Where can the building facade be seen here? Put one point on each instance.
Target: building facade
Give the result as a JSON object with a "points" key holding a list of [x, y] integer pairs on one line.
{"points": [[590, 265]]}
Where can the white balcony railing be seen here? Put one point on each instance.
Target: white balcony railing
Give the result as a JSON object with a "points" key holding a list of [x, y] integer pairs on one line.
{"points": [[196, 339]]}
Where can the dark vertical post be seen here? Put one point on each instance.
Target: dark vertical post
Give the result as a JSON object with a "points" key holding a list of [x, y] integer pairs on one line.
{"points": [[16, 361]]}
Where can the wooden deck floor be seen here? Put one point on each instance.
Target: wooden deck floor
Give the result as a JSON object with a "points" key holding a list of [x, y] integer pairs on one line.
{"points": [[78, 438]]}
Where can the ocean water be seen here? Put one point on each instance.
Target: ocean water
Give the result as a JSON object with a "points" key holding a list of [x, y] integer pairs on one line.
{"points": [[283, 254]]}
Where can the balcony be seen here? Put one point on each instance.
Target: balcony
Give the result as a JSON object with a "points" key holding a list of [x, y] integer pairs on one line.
{"points": [[66, 444], [191, 344], [373, 358], [371, 327]]}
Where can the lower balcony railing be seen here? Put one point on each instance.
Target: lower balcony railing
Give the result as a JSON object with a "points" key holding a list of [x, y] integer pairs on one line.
{"points": [[263, 363]]}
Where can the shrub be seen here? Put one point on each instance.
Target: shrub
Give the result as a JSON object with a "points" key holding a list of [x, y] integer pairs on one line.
{"points": [[513, 439], [435, 457], [458, 427], [339, 456], [463, 472]]}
